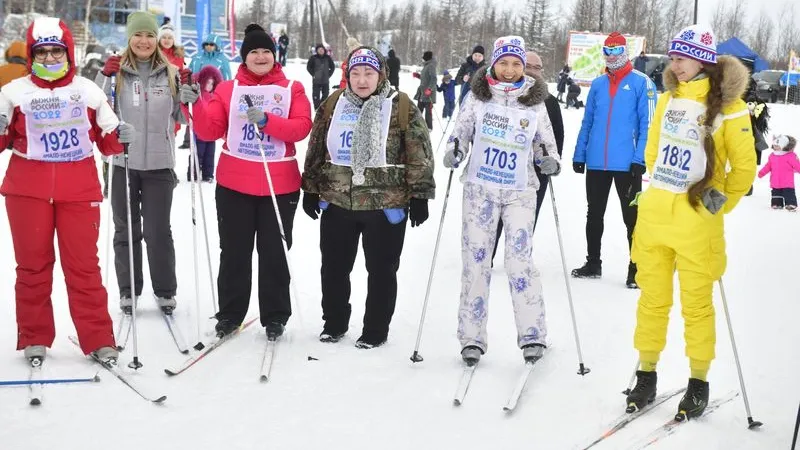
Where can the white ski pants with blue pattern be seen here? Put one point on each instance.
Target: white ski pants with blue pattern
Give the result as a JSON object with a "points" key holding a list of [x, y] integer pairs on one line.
{"points": [[483, 207]]}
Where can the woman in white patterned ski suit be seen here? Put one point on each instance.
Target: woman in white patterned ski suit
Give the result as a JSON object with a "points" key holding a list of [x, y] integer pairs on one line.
{"points": [[505, 120]]}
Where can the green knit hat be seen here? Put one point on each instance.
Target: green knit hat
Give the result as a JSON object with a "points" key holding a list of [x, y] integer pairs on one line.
{"points": [[141, 21]]}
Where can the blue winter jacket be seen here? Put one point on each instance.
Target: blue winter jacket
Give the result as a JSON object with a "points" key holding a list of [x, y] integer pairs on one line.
{"points": [[614, 129], [449, 90], [216, 58]]}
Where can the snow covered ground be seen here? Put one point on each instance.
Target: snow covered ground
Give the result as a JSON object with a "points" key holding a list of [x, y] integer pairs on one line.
{"points": [[352, 399]]}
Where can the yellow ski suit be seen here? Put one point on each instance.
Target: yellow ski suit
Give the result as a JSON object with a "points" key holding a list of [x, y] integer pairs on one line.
{"points": [[671, 234]]}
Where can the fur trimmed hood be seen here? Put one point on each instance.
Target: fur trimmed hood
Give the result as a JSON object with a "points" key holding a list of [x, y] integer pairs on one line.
{"points": [[534, 95], [735, 79]]}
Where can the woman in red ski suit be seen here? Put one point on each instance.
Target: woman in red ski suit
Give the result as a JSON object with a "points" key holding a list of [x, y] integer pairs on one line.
{"points": [[282, 115], [52, 117]]}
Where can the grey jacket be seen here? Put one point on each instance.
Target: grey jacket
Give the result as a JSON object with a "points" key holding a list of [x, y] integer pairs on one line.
{"points": [[427, 80], [153, 115]]}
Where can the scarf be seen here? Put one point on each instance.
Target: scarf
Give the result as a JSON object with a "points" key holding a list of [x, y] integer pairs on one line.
{"points": [[367, 134], [619, 63], [505, 86]]}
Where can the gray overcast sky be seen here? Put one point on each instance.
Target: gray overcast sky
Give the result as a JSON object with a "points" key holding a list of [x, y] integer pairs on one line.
{"points": [[706, 7]]}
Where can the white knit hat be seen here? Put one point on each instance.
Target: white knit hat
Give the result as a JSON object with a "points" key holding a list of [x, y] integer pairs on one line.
{"points": [[696, 42], [166, 30]]}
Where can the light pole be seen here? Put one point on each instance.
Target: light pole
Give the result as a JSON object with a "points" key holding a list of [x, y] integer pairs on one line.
{"points": [[695, 12]]}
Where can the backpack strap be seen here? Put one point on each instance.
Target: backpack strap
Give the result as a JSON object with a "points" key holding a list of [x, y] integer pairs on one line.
{"points": [[403, 107], [331, 104]]}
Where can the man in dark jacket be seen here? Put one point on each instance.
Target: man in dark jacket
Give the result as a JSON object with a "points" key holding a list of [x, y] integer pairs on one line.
{"points": [[533, 67], [474, 62], [563, 78], [321, 67], [640, 63], [393, 64], [283, 47], [426, 93]]}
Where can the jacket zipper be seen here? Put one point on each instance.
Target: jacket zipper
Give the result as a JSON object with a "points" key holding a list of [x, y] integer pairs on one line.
{"points": [[146, 113], [608, 123], [53, 166]]}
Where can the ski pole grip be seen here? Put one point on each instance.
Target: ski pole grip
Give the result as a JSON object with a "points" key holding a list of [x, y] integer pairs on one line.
{"points": [[248, 101]]}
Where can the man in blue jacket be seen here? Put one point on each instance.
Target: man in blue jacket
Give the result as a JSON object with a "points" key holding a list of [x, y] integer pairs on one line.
{"points": [[611, 143]]}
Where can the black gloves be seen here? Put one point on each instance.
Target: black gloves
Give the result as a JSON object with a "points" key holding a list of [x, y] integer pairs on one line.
{"points": [[637, 170], [579, 167], [417, 211], [311, 205]]}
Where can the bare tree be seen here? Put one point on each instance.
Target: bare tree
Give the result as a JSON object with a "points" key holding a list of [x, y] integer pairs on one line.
{"points": [[762, 33]]}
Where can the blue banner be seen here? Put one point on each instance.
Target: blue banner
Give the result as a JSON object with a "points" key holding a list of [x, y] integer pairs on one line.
{"points": [[203, 18]]}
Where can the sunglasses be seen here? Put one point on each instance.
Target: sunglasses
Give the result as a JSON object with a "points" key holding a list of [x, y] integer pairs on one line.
{"points": [[613, 51], [56, 52]]}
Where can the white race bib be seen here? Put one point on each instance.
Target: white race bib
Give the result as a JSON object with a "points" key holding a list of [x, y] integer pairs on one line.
{"points": [[343, 123], [502, 146], [57, 126], [244, 139], [681, 160]]}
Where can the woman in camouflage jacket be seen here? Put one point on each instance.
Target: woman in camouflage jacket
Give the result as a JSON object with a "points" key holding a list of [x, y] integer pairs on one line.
{"points": [[368, 166]]}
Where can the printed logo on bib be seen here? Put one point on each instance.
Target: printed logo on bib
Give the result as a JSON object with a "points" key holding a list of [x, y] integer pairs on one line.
{"points": [[245, 141], [56, 126], [340, 133], [502, 147], [681, 161]]}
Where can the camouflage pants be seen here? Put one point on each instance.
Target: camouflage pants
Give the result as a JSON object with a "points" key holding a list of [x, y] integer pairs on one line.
{"points": [[482, 209]]}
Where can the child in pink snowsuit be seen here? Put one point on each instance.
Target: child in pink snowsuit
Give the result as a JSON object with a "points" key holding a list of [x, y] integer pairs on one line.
{"points": [[782, 165]]}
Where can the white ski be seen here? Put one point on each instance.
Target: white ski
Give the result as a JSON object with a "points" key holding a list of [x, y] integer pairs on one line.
{"points": [[175, 331], [463, 384], [35, 390], [520, 386], [266, 363]]}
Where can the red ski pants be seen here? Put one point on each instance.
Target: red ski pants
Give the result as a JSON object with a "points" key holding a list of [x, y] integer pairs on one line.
{"points": [[33, 225]]}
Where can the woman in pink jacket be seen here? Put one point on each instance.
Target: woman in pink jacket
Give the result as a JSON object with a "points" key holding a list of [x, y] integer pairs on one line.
{"points": [[279, 118], [782, 165]]}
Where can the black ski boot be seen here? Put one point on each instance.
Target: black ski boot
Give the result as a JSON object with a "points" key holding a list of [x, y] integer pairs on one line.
{"points": [[592, 269], [533, 352], [643, 393], [694, 401], [471, 355], [225, 327], [631, 280], [331, 337], [274, 330]]}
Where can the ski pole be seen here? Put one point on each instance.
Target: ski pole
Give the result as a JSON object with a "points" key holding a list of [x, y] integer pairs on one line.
{"points": [[796, 428], [293, 284], [444, 133], [95, 378], [203, 213], [193, 183], [633, 379], [135, 364], [416, 357], [110, 184], [582, 369], [751, 424]]}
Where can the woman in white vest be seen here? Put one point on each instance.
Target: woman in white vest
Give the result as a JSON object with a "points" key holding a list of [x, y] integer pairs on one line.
{"points": [[279, 117], [505, 122], [369, 165]]}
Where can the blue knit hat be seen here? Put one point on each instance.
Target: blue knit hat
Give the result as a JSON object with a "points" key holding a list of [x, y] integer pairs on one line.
{"points": [[509, 46], [696, 42], [364, 57]]}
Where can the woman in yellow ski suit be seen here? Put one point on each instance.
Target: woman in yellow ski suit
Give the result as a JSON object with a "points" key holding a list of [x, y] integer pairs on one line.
{"points": [[700, 156]]}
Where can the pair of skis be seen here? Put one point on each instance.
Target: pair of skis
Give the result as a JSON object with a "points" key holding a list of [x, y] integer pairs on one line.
{"points": [[664, 430], [36, 381], [214, 343], [513, 399], [124, 331]]}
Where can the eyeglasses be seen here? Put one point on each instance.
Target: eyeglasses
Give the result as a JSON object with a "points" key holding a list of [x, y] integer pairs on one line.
{"points": [[613, 51], [41, 52]]}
